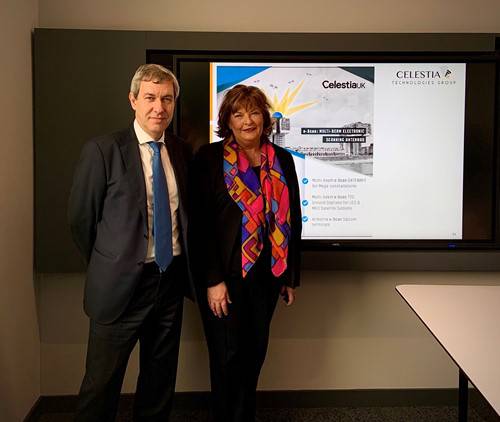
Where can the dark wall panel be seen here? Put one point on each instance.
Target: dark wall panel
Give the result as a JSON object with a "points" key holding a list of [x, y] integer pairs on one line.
{"points": [[82, 79], [81, 83]]}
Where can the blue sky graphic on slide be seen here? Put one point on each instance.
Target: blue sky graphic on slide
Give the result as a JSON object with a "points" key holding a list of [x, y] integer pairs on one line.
{"points": [[232, 75]]}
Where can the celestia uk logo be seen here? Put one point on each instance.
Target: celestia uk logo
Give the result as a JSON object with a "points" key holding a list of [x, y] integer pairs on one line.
{"points": [[343, 85], [419, 77]]}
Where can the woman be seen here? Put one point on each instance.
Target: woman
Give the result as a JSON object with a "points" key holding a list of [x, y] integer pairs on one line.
{"points": [[246, 227]]}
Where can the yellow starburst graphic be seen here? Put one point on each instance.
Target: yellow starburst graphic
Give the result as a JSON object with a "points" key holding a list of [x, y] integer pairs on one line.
{"points": [[284, 106]]}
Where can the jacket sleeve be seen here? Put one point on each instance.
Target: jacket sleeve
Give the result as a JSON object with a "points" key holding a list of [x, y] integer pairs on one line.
{"points": [[86, 198], [206, 262], [294, 248]]}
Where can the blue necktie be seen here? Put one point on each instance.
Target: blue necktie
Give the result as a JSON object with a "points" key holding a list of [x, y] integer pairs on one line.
{"points": [[162, 222]]}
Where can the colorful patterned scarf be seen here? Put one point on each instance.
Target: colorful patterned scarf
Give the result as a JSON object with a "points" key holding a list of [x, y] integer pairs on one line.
{"points": [[271, 209]]}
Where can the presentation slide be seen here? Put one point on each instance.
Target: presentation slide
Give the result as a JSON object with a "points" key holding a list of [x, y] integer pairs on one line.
{"points": [[378, 147]]}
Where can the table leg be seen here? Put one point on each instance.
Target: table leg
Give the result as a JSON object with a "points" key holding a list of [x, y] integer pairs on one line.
{"points": [[463, 393]]}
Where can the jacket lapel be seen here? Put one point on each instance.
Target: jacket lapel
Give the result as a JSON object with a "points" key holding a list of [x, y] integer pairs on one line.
{"points": [[129, 147]]}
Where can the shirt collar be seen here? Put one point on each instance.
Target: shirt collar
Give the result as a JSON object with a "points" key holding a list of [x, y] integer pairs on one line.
{"points": [[143, 137]]}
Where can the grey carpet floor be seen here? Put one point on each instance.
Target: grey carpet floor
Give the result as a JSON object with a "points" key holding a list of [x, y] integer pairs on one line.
{"points": [[341, 414]]}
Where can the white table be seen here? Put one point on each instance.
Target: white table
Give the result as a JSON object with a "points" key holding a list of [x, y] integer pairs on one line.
{"points": [[465, 320]]}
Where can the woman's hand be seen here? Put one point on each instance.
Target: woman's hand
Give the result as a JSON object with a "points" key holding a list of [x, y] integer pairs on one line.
{"points": [[288, 294], [218, 299]]}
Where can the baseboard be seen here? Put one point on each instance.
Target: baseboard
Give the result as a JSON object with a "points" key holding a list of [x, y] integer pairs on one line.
{"points": [[358, 398], [52, 404], [35, 411], [291, 399], [482, 407]]}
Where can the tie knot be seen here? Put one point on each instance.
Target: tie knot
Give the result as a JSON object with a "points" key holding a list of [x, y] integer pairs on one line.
{"points": [[155, 146]]}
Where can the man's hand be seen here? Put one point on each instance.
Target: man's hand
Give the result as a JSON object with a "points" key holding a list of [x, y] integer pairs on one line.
{"points": [[288, 294], [218, 299]]}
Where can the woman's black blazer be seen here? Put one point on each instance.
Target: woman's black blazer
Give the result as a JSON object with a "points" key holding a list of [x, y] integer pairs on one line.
{"points": [[215, 219]]}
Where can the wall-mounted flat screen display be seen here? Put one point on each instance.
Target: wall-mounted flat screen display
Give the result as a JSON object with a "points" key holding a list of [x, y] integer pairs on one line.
{"points": [[392, 150], [378, 147]]}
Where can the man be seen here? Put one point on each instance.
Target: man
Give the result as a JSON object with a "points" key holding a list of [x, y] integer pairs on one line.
{"points": [[127, 213]]}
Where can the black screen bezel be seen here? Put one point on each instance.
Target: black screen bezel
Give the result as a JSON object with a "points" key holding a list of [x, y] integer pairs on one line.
{"points": [[174, 60]]}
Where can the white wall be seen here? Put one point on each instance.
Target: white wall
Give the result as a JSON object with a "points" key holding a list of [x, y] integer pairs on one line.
{"points": [[274, 16], [348, 330], [19, 344]]}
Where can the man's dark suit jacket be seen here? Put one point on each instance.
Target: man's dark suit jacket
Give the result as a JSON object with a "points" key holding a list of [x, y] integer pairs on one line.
{"points": [[215, 220], [108, 218]]}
